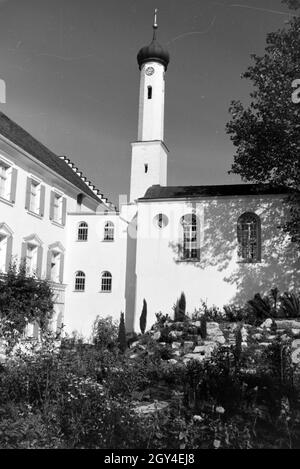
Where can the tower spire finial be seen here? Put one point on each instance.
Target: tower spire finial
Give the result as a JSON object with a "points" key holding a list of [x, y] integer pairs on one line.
{"points": [[155, 25]]}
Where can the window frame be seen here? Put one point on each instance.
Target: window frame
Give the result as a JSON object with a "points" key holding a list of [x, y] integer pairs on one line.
{"points": [[82, 231], [250, 251], [79, 280], [190, 238], [109, 232], [106, 282]]}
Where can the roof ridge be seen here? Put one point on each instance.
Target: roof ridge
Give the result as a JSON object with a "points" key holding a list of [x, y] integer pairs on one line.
{"points": [[88, 183]]}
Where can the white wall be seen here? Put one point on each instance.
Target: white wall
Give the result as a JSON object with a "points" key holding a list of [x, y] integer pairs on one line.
{"points": [[94, 257], [21, 221], [217, 278]]}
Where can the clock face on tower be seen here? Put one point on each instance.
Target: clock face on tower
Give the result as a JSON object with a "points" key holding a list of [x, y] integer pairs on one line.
{"points": [[149, 71]]}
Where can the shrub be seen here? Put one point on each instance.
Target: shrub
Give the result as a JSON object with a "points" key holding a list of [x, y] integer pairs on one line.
{"points": [[23, 299], [105, 333], [235, 313], [122, 341], [143, 318], [290, 305], [261, 307]]}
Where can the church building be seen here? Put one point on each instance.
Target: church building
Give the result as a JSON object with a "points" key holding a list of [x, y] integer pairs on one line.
{"points": [[217, 244]]}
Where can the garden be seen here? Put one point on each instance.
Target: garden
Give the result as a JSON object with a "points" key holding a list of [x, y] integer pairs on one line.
{"points": [[225, 379]]}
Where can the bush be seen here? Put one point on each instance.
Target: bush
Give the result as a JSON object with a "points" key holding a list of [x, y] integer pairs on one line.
{"points": [[105, 333], [23, 300], [289, 305]]}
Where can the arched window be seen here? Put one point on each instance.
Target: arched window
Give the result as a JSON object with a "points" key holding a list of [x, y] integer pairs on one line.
{"points": [[249, 237], [106, 282], [79, 281], [190, 244], [109, 231], [83, 231]]}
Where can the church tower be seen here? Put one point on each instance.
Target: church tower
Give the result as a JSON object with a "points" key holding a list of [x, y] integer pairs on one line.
{"points": [[149, 153]]}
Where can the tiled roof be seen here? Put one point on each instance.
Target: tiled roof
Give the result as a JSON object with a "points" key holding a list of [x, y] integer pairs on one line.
{"points": [[173, 192], [61, 165]]}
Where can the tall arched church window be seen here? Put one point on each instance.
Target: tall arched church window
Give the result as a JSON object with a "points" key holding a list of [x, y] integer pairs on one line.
{"points": [[79, 281], [249, 237], [82, 231], [106, 282], [190, 237], [109, 231]]}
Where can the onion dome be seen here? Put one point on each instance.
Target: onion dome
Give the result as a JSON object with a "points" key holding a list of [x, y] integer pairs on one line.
{"points": [[155, 52]]}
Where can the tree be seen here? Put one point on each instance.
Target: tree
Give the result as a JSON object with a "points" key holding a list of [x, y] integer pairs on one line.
{"points": [[24, 300], [267, 132], [122, 342], [143, 318]]}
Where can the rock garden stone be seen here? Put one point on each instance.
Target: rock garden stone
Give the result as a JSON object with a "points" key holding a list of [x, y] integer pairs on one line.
{"points": [[296, 344], [267, 324], [176, 345], [188, 346], [288, 324], [176, 334], [152, 408], [193, 356]]}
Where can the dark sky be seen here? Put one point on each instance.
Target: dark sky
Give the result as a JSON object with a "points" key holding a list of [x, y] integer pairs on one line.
{"points": [[73, 81]]}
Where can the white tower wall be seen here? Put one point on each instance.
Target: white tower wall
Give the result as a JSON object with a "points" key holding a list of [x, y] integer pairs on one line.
{"points": [[151, 109]]}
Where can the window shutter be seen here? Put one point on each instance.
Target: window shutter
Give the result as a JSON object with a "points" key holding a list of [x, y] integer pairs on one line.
{"points": [[8, 252], [48, 270], [51, 214], [64, 211], [13, 189], [61, 267], [42, 201], [39, 262], [23, 252], [27, 196]]}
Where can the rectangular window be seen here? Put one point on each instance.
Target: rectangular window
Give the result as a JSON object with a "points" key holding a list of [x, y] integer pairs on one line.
{"points": [[3, 248], [5, 180], [35, 197], [149, 92], [31, 258], [55, 266], [57, 208]]}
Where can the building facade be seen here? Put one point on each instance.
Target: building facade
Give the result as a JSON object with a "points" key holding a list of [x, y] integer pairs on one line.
{"points": [[218, 244]]}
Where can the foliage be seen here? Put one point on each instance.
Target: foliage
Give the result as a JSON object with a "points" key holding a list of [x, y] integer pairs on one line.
{"points": [[143, 318], [289, 305], [235, 313], [161, 319], [122, 341], [262, 307], [266, 133], [23, 300], [105, 333]]}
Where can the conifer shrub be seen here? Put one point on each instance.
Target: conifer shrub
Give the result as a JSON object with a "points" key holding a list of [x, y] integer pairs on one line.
{"points": [[122, 341], [203, 327], [143, 318], [180, 309]]}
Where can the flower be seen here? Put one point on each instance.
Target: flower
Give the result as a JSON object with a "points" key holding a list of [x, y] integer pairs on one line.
{"points": [[217, 444], [197, 418], [220, 410]]}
